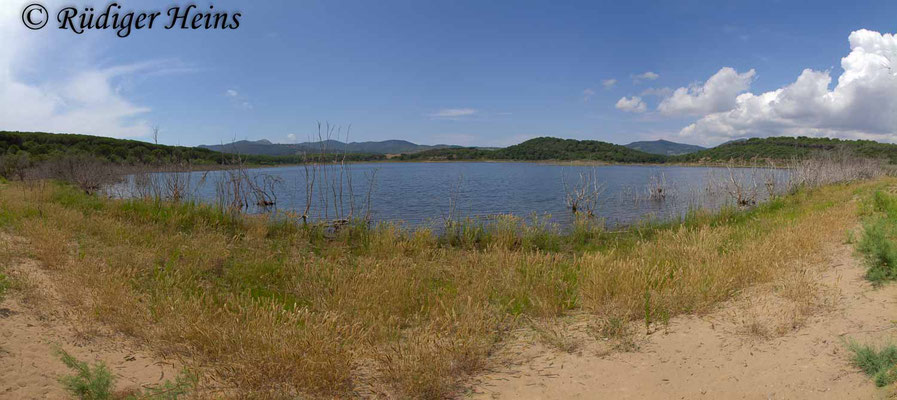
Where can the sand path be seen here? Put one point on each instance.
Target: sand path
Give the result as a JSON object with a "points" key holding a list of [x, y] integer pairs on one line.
{"points": [[29, 369], [711, 356]]}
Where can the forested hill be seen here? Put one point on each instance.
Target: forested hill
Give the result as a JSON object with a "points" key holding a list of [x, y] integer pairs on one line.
{"points": [[38, 146], [548, 148], [265, 147], [545, 148], [787, 148], [664, 147], [42, 146]]}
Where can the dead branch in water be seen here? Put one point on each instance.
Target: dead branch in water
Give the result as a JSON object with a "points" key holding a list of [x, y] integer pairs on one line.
{"points": [[582, 196]]}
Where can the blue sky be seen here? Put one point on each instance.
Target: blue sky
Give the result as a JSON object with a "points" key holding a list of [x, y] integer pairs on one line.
{"points": [[462, 72]]}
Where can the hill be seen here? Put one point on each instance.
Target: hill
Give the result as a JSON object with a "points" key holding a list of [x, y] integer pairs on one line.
{"points": [[264, 147], [664, 147], [545, 148], [786, 148], [41, 146]]}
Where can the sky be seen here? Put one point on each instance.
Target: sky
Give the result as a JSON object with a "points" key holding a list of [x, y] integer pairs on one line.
{"points": [[478, 73]]}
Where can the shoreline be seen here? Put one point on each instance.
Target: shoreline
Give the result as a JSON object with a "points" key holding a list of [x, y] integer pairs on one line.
{"points": [[575, 163]]}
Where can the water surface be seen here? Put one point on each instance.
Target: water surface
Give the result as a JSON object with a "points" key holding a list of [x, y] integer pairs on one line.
{"points": [[426, 193]]}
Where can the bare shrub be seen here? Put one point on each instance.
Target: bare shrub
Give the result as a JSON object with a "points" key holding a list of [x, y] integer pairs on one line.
{"points": [[658, 189], [87, 173], [741, 189], [826, 168], [169, 183], [329, 185], [14, 166], [237, 190], [582, 196]]}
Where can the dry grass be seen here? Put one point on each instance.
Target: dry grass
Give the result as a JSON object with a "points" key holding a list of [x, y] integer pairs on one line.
{"points": [[268, 309]]}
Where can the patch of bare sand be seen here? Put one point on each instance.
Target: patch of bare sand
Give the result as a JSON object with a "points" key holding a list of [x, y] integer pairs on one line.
{"points": [[33, 323], [750, 348]]}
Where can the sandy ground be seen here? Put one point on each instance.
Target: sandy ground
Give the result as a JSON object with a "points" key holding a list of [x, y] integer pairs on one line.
{"points": [[29, 336], [716, 356]]}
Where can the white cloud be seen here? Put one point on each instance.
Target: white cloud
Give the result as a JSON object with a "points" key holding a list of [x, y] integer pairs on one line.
{"points": [[863, 104], [631, 104], [231, 93], [80, 97], [647, 76], [716, 95], [608, 83], [453, 113], [292, 138], [587, 94]]}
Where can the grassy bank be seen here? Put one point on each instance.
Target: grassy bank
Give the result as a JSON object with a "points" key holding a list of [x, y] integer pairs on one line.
{"points": [[270, 309]]}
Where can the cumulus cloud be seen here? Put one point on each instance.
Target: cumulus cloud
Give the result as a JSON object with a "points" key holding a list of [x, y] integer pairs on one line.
{"points": [[647, 76], [453, 113], [863, 104], [608, 83], [631, 104], [715, 95], [88, 98], [231, 93]]}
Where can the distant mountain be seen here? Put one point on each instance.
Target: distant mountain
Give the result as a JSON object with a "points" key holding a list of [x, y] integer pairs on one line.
{"points": [[664, 147], [265, 147]]}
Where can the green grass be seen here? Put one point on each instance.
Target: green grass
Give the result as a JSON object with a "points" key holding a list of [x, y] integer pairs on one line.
{"points": [[5, 284], [877, 242], [879, 363]]}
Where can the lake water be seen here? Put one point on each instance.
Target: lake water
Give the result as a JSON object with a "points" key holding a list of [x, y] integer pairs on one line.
{"points": [[425, 193]]}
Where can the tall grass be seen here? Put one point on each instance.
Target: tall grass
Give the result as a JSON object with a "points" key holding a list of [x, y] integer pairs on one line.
{"points": [[273, 309]]}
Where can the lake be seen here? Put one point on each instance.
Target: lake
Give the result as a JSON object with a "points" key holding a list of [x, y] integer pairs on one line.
{"points": [[426, 193]]}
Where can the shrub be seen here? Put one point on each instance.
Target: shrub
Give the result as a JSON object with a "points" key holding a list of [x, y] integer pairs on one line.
{"points": [[87, 383]]}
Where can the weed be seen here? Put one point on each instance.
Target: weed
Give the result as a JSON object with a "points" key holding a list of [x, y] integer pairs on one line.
{"points": [[97, 383], [87, 383], [5, 284], [877, 240], [879, 363]]}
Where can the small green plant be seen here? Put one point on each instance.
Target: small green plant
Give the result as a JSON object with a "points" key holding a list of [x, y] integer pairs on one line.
{"points": [[87, 383], [4, 285], [877, 240], [878, 363], [849, 237], [97, 383]]}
